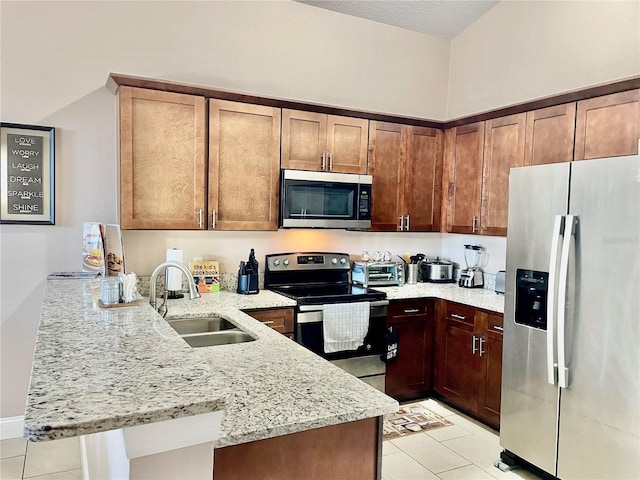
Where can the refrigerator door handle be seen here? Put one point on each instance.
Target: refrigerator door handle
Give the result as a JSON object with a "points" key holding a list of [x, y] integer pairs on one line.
{"points": [[552, 364], [569, 232]]}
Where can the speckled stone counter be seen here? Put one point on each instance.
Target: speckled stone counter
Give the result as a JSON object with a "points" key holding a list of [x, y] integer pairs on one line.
{"points": [[475, 297], [99, 369]]}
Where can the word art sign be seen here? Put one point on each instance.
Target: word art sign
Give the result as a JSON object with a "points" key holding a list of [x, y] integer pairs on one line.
{"points": [[27, 174]]}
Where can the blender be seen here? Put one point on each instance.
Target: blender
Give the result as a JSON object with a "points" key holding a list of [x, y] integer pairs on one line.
{"points": [[472, 276]]}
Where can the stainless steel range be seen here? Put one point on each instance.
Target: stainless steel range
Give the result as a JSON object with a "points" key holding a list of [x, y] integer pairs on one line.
{"points": [[317, 281]]}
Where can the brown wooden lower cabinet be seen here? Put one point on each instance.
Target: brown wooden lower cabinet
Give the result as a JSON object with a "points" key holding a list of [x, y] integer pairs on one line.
{"points": [[468, 360], [280, 319], [346, 451], [409, 376]]}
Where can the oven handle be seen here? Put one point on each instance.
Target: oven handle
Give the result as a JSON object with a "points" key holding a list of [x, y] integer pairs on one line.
{"points": [[318, 308]]}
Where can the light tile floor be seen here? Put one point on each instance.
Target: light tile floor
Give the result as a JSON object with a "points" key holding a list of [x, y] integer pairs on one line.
{"points": [[465, 450]]}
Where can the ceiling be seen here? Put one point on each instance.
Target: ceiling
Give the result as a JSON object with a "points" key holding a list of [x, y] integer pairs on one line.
{"points": [[444, 19]]}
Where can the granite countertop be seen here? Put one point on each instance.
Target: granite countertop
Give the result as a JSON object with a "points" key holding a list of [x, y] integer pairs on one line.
{"points": [[99, 369], [475, 297]]}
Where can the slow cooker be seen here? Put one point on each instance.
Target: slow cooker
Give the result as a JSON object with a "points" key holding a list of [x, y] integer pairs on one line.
{"points": [[437, 271]]}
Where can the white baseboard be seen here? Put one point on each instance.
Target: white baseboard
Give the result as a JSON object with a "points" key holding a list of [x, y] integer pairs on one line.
{"points": [[11, 427]]}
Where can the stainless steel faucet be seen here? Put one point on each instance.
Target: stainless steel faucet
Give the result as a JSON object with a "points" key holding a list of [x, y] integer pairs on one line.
{"points": [[193, 290]]}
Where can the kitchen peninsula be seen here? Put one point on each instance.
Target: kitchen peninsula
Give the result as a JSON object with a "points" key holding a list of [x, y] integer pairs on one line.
{"points": [[125, 370]]}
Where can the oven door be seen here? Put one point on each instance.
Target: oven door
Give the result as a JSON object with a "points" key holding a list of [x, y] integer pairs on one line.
{"points": [[365, 362], [324, 200]]}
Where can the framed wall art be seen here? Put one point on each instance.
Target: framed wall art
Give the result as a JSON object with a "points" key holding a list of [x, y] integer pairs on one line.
{"points": [[27, 174]]}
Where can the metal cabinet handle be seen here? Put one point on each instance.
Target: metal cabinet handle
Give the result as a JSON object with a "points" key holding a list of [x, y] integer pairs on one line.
{"points": [[473, 225], [552, 365], [412, 310], [268, 322], [324, 160], [213, 219], [407, 223], [200, 218], [459, 317], [569, 232], [401, 226], [330, 162], [482, 352], [499, 328], [473, 345]]}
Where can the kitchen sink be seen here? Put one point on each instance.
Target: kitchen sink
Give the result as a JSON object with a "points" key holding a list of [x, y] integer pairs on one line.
{"points": [[186, 326], [211, 339], [208, 331]]}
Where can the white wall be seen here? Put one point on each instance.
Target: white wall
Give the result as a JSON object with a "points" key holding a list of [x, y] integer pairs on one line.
{"points": [[56, 57], [521, 50]]}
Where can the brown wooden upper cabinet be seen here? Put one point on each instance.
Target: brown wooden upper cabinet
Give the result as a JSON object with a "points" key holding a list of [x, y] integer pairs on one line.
{"points": [[549, 135], [503, 149], [608, 126], [406, 165], [162, 160], [462, 178], [244, 166], [478, 158], [325, 143]]}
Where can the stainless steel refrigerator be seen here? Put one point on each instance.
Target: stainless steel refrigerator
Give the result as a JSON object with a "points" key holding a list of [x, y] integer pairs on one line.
{"points": [[571, 357]]}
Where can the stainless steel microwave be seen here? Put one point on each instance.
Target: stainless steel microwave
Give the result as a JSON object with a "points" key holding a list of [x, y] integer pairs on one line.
{"points": [[325, 200]]}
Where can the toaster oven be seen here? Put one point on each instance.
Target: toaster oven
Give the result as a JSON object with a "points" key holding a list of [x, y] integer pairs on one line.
{"points": [[372, 274]]}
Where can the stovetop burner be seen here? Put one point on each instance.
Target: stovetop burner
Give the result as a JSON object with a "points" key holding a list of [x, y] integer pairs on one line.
{"points": [[315, 278], [319, 294]]}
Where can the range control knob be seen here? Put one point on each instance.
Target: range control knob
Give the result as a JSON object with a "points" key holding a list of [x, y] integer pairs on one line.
{"points": [[343, 261], [334, 261], [286, 262], [276, 262]]}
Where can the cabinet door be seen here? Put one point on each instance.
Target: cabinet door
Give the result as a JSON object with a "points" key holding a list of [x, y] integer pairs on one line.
{"points": [[490, 388], [386, 166], [304, 140], [460, 381], [244, 148], [347, 144], [503, 149], [457, 366], [549, 135], [423, 179], [410, 374], [162, 160], [608, 126], [490, 325], [463, 178]]}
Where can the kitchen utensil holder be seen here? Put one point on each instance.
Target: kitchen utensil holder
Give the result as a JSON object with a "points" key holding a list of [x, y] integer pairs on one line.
{"points": [[248, 284], [412, 273]]}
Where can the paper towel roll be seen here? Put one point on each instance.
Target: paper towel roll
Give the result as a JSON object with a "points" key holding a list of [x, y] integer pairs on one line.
{"points": [[174, 276]]}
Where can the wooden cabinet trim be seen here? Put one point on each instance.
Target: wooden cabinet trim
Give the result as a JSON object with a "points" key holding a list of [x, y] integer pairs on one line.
{"points": [[117, 80]]}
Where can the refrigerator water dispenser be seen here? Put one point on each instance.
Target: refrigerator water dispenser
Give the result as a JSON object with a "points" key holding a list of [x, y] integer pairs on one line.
{"points": [[531, 298]]}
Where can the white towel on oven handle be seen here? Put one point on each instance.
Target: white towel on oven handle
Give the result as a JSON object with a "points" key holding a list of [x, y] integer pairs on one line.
{"points": [[344, 326]]}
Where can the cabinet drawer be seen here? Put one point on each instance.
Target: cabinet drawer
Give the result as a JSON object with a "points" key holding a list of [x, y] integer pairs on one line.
{"points": [[406, 310], [280, 319], [494, 324], [460, 313]]}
